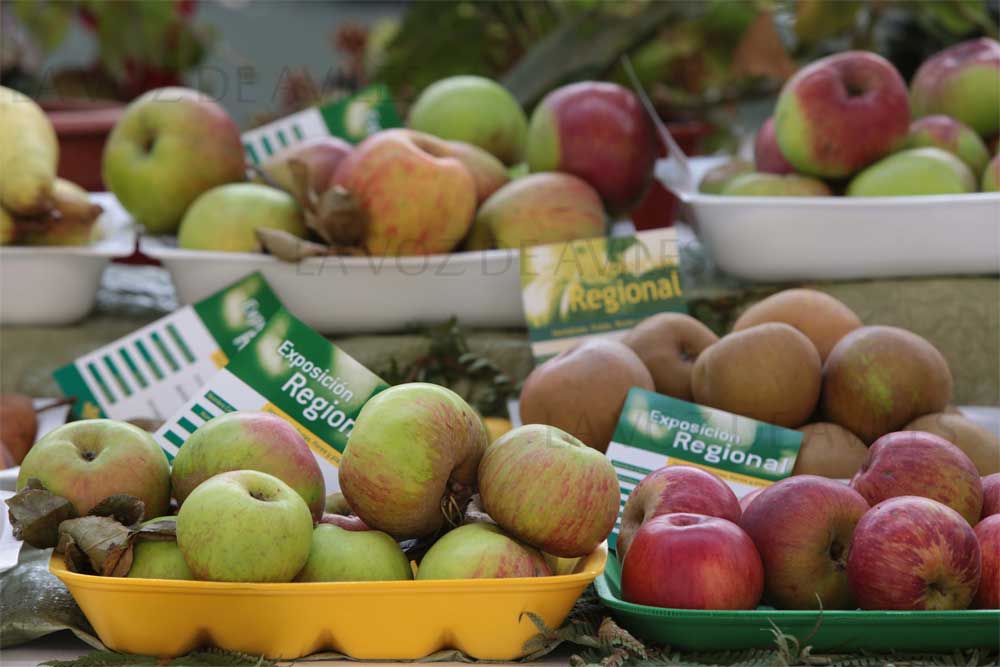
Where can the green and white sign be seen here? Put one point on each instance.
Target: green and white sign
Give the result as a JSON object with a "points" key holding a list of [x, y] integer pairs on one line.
{"points": [[152, 371], [598, 287], [351, 119], [292, 371], [656, 431]]}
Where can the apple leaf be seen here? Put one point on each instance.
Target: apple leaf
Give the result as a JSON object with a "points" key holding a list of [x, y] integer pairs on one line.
{"points": [[35, 514], [288, 247], [162, 530], [123, 508], [96, 545], [337, 218]]}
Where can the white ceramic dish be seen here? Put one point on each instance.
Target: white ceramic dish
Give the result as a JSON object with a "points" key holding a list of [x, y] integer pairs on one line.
{"points": [[58, 285], [841, 238]]}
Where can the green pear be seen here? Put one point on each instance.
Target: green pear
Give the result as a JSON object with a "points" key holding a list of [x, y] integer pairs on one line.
{"points": [[29, 154]]}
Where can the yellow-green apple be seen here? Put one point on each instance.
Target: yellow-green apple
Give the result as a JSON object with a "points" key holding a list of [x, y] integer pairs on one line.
{"points": [[599, 132], [488, 173], [775, 185], [802, 527], [911, 553], [948, 134], [415, 200], [991, 495], [717, 178], [225, 218], [158, 559], [766, 152], [991, 175], [171, 145], [672, 489], [87, 461], [877, 379], [546, 488], [538, 209], [691, 561], [8, 230], [475, 110], [841, 113], [319, 157], [915, 463], [988, 534], [480, 551], [962, 81], [338, 554], [244, 525], [411, 458], [249, 441], [914, 171], [748, 498]]}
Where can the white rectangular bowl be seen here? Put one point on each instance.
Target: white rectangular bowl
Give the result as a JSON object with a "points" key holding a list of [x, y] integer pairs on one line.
{"points": [[341, 295], [58, 285], [846, 238]]}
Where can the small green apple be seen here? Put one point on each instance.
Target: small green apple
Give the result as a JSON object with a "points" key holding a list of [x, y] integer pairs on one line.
{"points": [[244, 525], [158, 559], [480, 551], [991, 175], [7, 228], [224, 218], [775, 185], [717, 178], [915, 171], [946, 133], [354, 555]]}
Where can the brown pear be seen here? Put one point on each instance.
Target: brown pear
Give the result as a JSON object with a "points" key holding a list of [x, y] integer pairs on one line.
{"points": [[770, 372], [979, 444], [582, 390], [823, 319], [18, 424], [829, 450], [669, 344], [878, 379]]}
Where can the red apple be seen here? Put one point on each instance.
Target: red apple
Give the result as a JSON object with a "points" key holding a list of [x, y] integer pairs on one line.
{"points": [[961, 82], [802, 527], [319, 157], [748, 498], [913, 553], [673, 489], [347, 522], [991, 495], [415, 199], [988, 534], [690, 561], [599, 132], [915, 463], [766, 154], [954, 136], [841, 113]]}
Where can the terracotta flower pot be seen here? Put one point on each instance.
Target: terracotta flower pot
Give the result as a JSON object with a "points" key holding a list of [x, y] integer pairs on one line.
{"points": [[82, 127]]}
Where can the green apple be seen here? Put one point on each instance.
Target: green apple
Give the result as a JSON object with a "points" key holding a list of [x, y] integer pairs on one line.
{"points": [[244, 525], [338, 554], [991, 175], [775, 185], [171, 145], [224, 218], [249, 441], [963, 81], [475, 110], [717, 178], [915, 171], [87, 461], [948, 134], [158, 559], [7, 228], [480, 551]]}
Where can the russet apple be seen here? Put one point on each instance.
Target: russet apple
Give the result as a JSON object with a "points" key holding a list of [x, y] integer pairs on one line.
{"points": [[915, 463], [338, 554], [480, 551], [548, 489], [841, 113], [249, 441], [415, 200], [948, 134], [914, 171], [319, 157], [244, 525], [962, 82], [673, 489], [991, 495], [669, 345], [912, 553], [170, 146], [775, 185], [690, 561], [988, 534], [158, 559], [802, 527], [87, 461], [225, 218], [599, 132], [766, 152]]}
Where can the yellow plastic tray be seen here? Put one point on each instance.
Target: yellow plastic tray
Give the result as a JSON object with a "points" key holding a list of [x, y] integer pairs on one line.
{"points": [[403, 620]]}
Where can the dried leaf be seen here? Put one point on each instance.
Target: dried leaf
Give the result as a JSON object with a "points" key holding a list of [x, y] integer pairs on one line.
{"points": [[158, 530], [35, 515], [301, 188], [123, 508], [288, 247], [96, 545], [761, 52], [149, 424], [337, 218]]}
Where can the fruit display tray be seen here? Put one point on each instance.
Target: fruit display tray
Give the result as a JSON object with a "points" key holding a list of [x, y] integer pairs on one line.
{"points": [[483, 618], [53, 285], [825, 631], [843, 238]]}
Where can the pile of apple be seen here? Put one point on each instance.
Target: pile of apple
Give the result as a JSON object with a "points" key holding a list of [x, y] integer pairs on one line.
{"points": [[899, 537], [456, 177], [36, 207], [843, 123], [252, 502]]}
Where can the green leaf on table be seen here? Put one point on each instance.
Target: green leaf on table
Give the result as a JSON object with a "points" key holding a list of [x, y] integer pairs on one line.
{"points": [[96, 545], [123, 508], [35, 514], [202, 658]]}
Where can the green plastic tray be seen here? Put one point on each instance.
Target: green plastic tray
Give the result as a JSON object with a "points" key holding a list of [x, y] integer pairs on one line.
{"points": [[835, 631]]}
